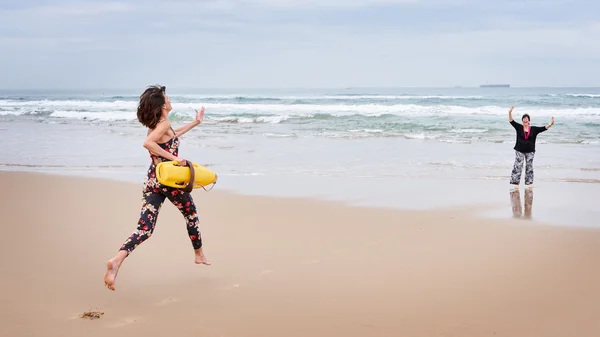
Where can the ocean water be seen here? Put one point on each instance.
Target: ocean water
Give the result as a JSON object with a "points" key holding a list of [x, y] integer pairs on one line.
{"points": [[348, 143]]}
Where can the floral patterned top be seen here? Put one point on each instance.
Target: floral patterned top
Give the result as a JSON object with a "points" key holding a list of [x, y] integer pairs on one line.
{"points": [[171, 146]]}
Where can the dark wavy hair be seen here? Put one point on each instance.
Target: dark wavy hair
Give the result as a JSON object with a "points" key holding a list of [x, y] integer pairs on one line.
{"points": [[150, 107]]}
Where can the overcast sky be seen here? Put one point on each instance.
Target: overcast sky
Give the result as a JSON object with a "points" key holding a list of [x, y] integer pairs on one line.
{"points": [[295, 43]]}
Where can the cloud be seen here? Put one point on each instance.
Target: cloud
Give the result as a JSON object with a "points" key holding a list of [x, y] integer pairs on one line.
{"points": [[319, 4], [87, 9], [70, 9], [62, 21], [262, 43]]}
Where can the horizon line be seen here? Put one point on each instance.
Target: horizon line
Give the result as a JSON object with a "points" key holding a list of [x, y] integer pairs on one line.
{"points": [[296, 88]]}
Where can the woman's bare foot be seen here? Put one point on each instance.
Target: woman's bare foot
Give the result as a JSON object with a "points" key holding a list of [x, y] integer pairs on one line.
{"points": [[112, 268], [200, 258]]}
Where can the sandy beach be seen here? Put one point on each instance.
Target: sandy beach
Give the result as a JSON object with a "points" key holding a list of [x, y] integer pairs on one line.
{"points": [[366, 154], [285, 267]]}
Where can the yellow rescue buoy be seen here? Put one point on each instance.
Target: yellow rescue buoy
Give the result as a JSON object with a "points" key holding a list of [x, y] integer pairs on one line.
{"points": [[170, 173]]}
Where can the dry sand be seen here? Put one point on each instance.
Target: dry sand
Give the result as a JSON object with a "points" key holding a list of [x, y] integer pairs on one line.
{"points": [[285, 267]]}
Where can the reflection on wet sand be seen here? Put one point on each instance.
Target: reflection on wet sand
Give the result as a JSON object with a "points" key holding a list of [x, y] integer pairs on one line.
{"points": [[515, 200]]}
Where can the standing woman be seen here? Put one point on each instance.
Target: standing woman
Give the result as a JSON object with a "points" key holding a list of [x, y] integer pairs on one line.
{"points": [[163, 144], [524, 148]]}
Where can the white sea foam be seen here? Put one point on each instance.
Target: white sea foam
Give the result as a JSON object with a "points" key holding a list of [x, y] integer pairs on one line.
{"points": [[468, 130], [376, 110], [85, 104], [585, 95], [367, 130], [273, 119], [337, 115], [271, 113], [100, 115], [328, 97]]}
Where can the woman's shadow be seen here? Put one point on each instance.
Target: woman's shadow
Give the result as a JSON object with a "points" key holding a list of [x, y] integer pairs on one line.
{"points": [[515, 200]]}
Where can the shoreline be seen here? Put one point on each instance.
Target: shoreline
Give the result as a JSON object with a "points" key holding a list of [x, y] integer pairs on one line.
{"points": [[285, 266], [554, 203]]}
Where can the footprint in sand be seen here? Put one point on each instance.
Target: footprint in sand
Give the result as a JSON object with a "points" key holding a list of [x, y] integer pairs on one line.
{"points": [[90, 314], [167, 301], [124, 322], [265, 272], [238, 285], [231, 286]]}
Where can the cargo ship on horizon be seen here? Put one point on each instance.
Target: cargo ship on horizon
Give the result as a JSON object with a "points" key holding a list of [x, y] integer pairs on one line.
{"points": [[494, 86]]}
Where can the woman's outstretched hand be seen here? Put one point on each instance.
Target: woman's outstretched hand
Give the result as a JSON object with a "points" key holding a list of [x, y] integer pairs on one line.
{"points": [[551, 123], [199, 116]]}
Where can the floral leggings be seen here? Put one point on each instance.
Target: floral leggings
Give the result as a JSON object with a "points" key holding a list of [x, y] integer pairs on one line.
{"points": [[154, 194], [521, 157]]}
